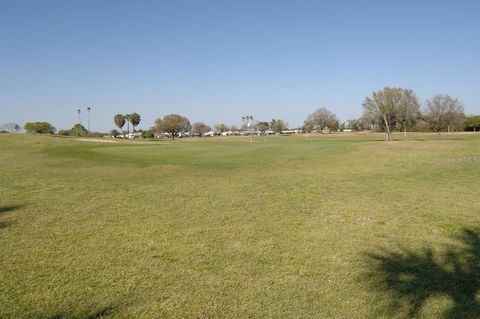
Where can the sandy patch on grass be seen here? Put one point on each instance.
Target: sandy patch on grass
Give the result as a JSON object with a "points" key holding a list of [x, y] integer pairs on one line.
{"points": [[95, 140]]}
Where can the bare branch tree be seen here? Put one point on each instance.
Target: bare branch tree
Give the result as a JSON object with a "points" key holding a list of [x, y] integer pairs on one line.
{"points": [[200, 128], [443, 111], [396, 108], [322, 119]]}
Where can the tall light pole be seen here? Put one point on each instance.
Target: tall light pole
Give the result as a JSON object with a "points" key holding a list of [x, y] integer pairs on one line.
{"points": [[89, 109], [79, 118]]}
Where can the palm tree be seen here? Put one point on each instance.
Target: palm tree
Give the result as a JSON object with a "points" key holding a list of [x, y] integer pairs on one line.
{"points": [[119, 120], [127, 117], [134, 120], [79, 118], [89, 109]]}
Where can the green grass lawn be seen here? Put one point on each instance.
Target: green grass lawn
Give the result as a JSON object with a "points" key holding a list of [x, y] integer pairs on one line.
{"points": [[285, 227]]}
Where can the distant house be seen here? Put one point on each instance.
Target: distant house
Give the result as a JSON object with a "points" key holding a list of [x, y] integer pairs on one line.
{"points": [[288, 132], [163, 135], [211, 133], [184, 134], [134, 135]]}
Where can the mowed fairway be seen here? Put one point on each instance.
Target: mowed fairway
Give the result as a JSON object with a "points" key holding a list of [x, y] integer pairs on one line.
{"points": [[285, 227]]}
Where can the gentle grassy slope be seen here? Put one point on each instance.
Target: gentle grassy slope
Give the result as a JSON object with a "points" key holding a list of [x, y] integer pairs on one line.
{"points": [[283, 227]]}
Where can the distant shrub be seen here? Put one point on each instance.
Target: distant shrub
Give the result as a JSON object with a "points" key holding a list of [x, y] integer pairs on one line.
{"points": [[64, 132], [472, 123], [96, 134], [9, 127], [39, 127], [114, 133], [78, 130], [148, 134]]}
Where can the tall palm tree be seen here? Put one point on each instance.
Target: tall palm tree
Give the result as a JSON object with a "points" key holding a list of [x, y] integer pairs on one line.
{"points": [[89, 109], [127, 117], [79, 118], [119, 120], [134, 120]]}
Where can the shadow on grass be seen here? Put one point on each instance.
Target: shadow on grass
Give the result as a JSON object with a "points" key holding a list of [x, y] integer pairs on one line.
{"points": [[9, 208], [6, 209], [100, 313], [410, 278], [5, 224]]}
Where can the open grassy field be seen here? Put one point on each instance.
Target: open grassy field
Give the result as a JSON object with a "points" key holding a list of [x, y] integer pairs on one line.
{"points": [[286, 227]]}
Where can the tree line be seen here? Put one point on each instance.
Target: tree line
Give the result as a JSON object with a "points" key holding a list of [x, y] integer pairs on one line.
{"points": [[388, 110], [397, 109]]}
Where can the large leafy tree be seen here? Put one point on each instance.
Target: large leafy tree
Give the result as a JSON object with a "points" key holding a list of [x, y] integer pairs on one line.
{"points": [[394, 107], [322, 119], [119, 120], [172, 124], [444, 111]]}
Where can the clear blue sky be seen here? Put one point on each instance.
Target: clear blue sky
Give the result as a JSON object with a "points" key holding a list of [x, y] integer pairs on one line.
{"points": [[215, 61]]}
